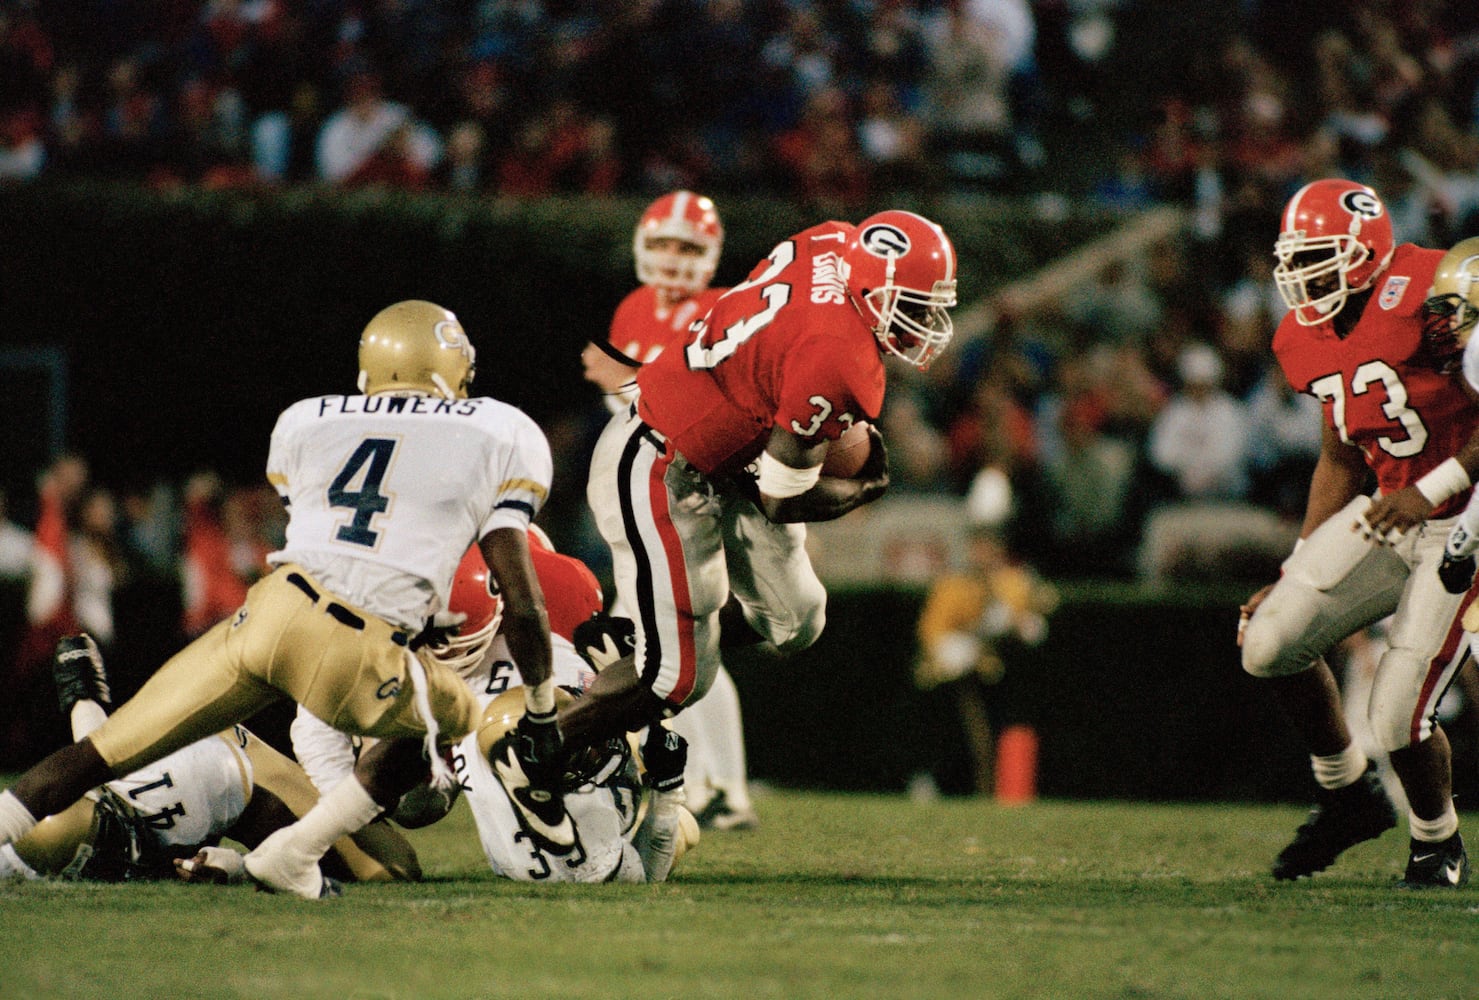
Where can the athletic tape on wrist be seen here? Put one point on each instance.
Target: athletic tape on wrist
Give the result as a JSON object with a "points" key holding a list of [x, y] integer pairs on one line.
{"points": [[1447, 480]]}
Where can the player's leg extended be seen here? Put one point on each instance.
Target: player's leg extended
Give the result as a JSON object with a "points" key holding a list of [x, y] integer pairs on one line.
{"points": [[1426, 648], [199, 691], [771, 577], [1334, 585], [661, 520], [717, 777]]}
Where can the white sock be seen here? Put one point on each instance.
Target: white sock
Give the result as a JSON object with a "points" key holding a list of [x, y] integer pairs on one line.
{"points": [[15, 819], [87, 715], [716, 745], [1433, 831], [347, 809], [1341, 769]]}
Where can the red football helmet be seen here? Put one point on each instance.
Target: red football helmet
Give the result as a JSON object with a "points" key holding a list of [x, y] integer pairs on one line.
{"points": [[571, 591], [1335, 239], [684, 216], [900, 270], [475, 594]]}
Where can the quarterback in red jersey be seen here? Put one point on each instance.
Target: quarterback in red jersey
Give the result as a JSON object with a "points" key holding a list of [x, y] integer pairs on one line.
{"points": [[1354, 340], [700, 487], [676, 246]]}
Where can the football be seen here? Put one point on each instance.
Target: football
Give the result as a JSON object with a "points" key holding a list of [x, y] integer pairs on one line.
{"points": [[848, 453]]}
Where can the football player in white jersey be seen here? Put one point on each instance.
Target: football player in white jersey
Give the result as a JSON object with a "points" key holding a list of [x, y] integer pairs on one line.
{"points": [[629, 826], [385, 490], [164, 819]]}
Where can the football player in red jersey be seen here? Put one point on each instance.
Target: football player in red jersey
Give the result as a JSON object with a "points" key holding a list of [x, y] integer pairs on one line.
{"points": [[1354, 339], [676, 246], [701, 486]]}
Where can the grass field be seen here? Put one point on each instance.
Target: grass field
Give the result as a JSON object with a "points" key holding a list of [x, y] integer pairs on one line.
{"points": [[835, 896]]}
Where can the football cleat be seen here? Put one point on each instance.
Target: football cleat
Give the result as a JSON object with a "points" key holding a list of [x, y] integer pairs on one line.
{"points": [[530, 776], [1341, 818], [276, 867], [602, 640], [77, 668], [1444, 865], [718, 814]]}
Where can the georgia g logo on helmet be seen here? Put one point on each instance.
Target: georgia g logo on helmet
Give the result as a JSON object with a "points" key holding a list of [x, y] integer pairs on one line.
{"points": [[1362, 204], [883, 240]]}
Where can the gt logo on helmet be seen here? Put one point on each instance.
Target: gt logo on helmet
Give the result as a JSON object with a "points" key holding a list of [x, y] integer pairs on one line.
{"points": [[449, 334], [883, 240], [1362, 203]]}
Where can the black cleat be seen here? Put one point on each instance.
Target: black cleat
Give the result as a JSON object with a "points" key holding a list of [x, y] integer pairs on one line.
{"points": [[1341, 818], [532, 785], [1443, 865], [718, 814], [602, 640], [77, 668]]}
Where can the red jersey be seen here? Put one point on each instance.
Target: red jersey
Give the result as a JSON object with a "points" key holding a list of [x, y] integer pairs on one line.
{"points": [[1377, 391], [784, 348], [642, 327]]}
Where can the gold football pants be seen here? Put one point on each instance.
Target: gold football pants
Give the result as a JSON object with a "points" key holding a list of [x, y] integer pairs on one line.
{"points": [[290, 638]]}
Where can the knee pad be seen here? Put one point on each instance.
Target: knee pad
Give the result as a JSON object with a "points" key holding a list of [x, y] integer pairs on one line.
{"points": [[1268, 652], [804, 630], [1394, 694]]}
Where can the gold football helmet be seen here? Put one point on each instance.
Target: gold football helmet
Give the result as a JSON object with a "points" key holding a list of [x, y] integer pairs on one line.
{"points": [[592, 765], [416, 346], [1453, 305], [96, 838], [56, 842]]}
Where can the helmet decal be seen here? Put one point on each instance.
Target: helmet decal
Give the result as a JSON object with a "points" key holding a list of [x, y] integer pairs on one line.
{"points": [[884, 240], [1362, 204]]}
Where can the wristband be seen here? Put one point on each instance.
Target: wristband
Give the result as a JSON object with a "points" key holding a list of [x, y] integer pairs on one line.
{"points": [[779, 480], [539, 698], [1447, 480]]}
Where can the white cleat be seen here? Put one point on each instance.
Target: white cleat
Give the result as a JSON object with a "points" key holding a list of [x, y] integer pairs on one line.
{"points": [[276, 867]]}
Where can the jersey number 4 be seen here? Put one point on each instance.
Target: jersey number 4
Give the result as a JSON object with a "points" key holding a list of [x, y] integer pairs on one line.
{"points": [[1332, 387], [372, 457]]}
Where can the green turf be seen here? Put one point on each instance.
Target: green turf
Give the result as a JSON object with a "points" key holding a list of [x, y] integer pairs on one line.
{"points": [[835, 896]]}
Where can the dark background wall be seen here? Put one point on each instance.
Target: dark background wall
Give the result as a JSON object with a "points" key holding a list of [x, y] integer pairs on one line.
{"points": [[188, 320]]}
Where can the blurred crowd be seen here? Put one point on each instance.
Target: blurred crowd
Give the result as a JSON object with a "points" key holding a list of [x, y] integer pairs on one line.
{"points": [[1129, 421], [142, 570], [1144, 382]]}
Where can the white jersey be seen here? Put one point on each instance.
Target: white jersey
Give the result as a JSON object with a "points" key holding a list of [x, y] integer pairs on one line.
{"points": [[386, 492], [603, 816], [497, 672], [193, 795]]}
